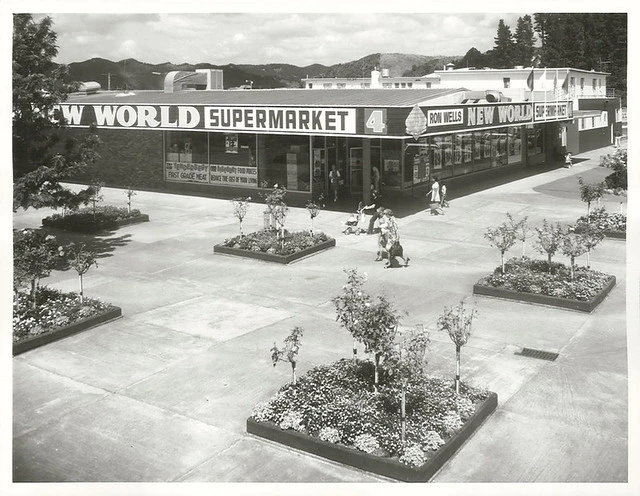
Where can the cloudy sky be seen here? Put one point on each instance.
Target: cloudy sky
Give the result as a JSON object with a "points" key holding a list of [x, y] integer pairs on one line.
{"points": [[262, 37]]}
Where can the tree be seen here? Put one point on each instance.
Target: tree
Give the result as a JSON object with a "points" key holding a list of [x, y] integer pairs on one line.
{"points": [[473, 58], [573, 246], [524, 41], [40, 159], [240, 207], [502, 237], [371, 322], [95, 196], [502, 53], [290, 351], [549, 239], [409, 362], [130, 193], [590, 192], [349, 305], [520, 228], [314, 210], [277, 208], [34, 256], [456, 322], [81, 261], [592, 236]]}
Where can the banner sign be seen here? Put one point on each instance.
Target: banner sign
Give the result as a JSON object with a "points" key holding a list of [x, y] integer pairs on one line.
{"points": [[209, 117], [553, 111], [469, 117], [228, 175]]}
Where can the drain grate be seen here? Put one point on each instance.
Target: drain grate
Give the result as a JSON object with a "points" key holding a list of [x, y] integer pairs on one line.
{"points": [[542, 355]]}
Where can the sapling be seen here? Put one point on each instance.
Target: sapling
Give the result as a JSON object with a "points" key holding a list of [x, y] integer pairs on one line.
{"points": [[240, 207], [521, 229], [290, 351], [590, 192], [549, 239], [81, 261], [129, 193], [313, 209], [409, 363], [573, 246], [349, 305], [591, 235], [457, 324], [502, 237], [94, 195]]}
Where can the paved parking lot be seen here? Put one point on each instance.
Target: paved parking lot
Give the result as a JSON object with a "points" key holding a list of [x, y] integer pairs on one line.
{"points": [[163, 393]]}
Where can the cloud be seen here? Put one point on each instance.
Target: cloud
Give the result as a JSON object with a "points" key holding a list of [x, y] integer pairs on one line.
{"points": [[255, 38]]}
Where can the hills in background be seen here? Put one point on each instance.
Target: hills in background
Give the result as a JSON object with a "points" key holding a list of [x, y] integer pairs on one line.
{"points": [[133, 74]]}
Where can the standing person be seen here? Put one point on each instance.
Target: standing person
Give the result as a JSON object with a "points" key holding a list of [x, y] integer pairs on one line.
{"points": [[568, 161], [383, 235], [618, 139], [394, 248], [334, 181], [435, 191], [375, 178], [443, 195]]}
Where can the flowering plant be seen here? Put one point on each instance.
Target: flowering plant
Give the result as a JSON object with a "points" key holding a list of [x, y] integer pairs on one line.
{"points": [[413, 456], [366, 442], [87, 220], [603, 220], [267, 241]]}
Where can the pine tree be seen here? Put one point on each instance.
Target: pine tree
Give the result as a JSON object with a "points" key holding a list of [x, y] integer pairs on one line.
{"points": [[502, 54], [524, 41]]}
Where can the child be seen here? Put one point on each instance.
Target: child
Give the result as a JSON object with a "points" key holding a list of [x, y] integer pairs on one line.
{"points": [[568, 161]]}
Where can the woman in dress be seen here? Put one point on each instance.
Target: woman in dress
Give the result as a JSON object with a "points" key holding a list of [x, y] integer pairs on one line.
{"points": [[393, 246]]}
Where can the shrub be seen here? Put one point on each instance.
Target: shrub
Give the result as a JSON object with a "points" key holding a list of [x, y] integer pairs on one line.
{"points": [[366, 442], [84, 220], [431, 440], [329, 434], [413, 456], [292, 420], [267, 241]]}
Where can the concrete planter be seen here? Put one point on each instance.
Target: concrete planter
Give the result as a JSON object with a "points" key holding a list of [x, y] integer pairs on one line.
{"points": [[97, 228], [616, 234], [68, 330], [388, 467], [272, 257], [510, 294]]}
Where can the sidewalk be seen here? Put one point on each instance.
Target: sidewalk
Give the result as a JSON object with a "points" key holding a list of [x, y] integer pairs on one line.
{"points": [[163, 393]]}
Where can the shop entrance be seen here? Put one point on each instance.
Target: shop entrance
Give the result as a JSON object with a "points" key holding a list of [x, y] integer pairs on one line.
{"points": [[355, 171]]}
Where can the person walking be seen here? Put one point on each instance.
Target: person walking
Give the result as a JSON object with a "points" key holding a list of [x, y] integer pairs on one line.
{"points": [[568, 160], [375, 209], [443, 195], [435, 191], [393, 247], [334, 182]]}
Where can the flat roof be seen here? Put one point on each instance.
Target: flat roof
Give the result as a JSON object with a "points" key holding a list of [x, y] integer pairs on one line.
{"points": [[273, 97]]}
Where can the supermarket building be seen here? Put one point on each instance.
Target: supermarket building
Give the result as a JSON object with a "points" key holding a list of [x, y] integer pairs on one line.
{"points": [[225, 143]]}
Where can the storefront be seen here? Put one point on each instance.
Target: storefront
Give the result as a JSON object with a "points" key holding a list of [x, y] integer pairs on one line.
{"points": [[232, 143]]}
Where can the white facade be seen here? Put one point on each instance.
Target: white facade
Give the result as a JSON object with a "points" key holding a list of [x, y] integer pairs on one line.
{"points": [[548, 83]]}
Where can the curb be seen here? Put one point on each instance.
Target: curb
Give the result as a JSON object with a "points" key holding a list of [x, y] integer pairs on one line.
{"points": [[510, 294], [389, 467], [272, 257], [66, 331]]}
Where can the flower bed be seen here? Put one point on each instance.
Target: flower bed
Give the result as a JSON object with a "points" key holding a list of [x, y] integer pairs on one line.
{"points": [[535, 281], [57, 315], [84, 220], [265, 245], [334, 411], [612, 225]]}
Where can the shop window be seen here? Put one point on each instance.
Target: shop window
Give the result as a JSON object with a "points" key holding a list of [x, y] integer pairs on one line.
{"points": [[428, 85], [403, 85], [534, 141], [481, 150], [417, 160], [409, 85], [442, 156], [389, 154], [232, 159], [507, 82], [396, 85], [310, 86], [341, 85], [572, 82], [515, 146], [499, 139], [582, 83], [186, 147], [284, 160]]}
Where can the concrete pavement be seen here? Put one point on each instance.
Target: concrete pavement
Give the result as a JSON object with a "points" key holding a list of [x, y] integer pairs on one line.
{"points": [[163, 393]]}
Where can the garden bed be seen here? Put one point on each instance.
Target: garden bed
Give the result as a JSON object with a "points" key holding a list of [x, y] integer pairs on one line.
{"points": [[57, 316], [612, 225], [105, 218], [264, 245], [333, 412], [531, 281]]}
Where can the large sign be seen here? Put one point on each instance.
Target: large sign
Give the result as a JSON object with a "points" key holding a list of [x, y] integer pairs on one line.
{"points": [[469, 117], [210, 117], [228, 175]]}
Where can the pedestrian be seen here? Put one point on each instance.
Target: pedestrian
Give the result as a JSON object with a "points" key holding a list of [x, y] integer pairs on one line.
{"points": [[375, 178], [375, 209], [393, 246], [334, 181], [568, 161], [618, 139], [443, 195], [435, 191]]}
